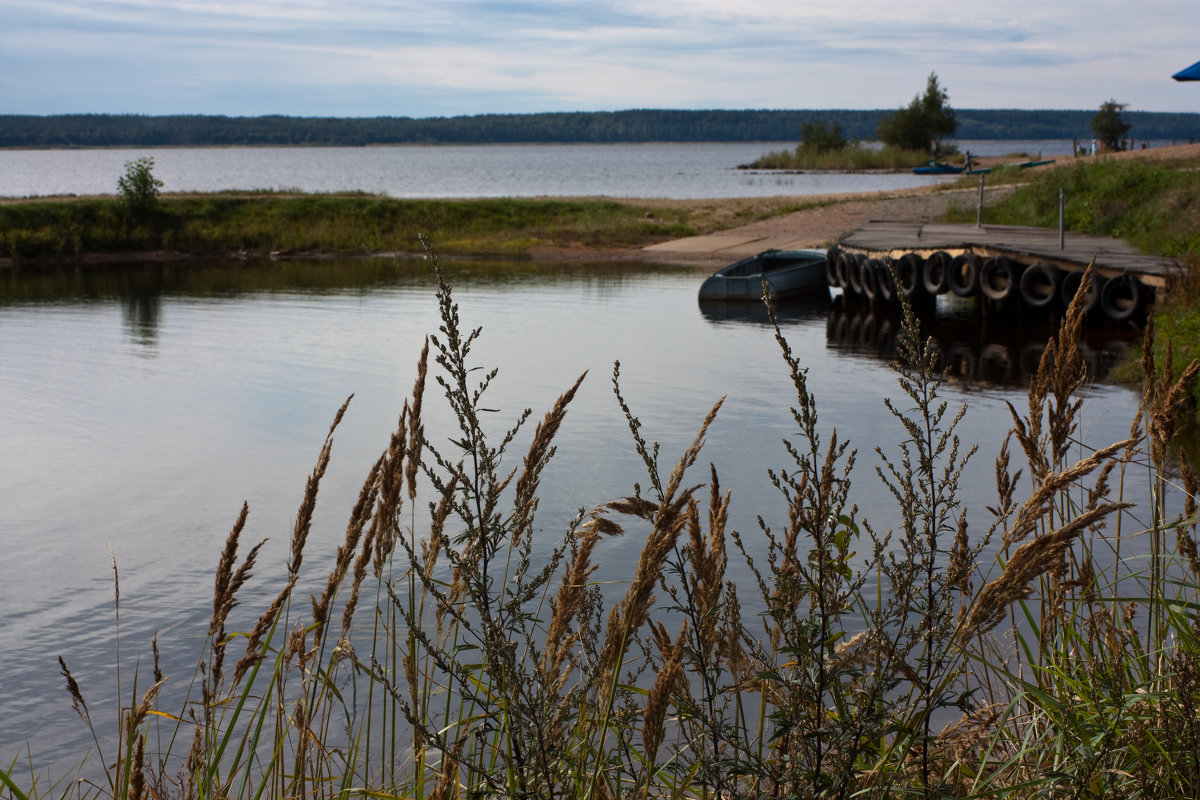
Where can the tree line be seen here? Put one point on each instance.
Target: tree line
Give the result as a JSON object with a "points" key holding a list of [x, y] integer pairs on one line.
{"points": [[601, 127]]}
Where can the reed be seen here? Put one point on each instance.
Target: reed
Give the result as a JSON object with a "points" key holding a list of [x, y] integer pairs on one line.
{"points": [[853, 157], [1025, 649]]}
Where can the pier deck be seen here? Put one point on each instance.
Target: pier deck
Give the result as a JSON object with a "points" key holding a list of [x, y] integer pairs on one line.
{"points": [[880, 238]]}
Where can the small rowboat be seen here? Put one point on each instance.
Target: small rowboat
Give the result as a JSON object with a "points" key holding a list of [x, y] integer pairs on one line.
{"points": [[787, 273]]}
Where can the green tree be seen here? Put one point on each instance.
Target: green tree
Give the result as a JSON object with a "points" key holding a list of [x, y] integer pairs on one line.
{"points": [[1108, 126], [922, 126], [138, 188], [821, 137]]}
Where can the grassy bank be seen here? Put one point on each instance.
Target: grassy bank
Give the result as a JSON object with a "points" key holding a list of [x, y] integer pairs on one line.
{"points": [[1043, 642], [851, 158], [352, 224], [1152, 204]]}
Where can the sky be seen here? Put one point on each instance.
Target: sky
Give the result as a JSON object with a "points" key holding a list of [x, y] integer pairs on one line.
{"points": [[365, 58]]}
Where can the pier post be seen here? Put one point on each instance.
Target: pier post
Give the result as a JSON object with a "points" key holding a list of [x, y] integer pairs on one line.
{"points": [[1062, 204], [979, 203]]}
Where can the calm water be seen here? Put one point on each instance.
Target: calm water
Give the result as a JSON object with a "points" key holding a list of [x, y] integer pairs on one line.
{"points": [[139, 408], [634, 170]]}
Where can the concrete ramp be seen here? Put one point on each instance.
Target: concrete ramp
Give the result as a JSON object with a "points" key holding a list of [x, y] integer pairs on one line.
{"points": [[727, 245]]}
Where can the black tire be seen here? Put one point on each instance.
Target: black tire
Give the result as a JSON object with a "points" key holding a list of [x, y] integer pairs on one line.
{"points": [[1040, 285], [1000, 278], [848, 273], [1121, 297], [909, 270], [1069, 287], [964, 275], [936, 275], [868, 277], [884, 283], [831, 271]]}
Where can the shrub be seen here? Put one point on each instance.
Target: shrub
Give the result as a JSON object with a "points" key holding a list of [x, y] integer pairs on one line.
{"points": [[138, 189]]}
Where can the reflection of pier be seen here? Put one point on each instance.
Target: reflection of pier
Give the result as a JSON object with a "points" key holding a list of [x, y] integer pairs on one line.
{"points": [[1007, 266], [975, 353], [1000, 354]]}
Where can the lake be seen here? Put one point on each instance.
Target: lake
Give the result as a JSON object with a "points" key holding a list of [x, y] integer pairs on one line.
{"points": [[683, 171], [140, 406]]}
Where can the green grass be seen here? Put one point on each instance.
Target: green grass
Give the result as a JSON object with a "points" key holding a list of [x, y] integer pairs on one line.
{"points": [[849, 158], [347, 224], [1155, 206]]}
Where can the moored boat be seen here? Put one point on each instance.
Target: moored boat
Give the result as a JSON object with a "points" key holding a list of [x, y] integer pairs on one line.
{"points": [[787, 273], [938, 168]]}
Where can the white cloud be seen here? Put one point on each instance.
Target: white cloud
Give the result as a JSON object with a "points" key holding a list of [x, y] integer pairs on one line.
{"points": [[468, 56]]}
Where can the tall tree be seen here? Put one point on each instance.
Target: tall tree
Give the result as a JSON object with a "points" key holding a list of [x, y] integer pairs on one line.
{"points": [[922, 126], [820, 137], [1108, 126]]}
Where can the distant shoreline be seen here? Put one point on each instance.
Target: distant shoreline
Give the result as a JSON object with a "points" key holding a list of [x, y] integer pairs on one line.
{"points": [[638, 126]]}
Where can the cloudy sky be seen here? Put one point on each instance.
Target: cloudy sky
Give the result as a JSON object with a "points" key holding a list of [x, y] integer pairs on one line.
{"points": [[445, 57]]}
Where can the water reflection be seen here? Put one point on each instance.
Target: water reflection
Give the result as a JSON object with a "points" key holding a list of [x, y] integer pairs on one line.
{"points": [[978, 353], [142, 314], [227, 278]]}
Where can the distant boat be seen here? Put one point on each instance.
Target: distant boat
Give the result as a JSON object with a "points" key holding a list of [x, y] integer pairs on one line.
{"points": [[942, 168], [938, 168], [787, 273]]}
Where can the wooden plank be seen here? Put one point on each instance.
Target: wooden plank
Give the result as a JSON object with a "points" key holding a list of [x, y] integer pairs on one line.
{"points": [[1113, 256]]}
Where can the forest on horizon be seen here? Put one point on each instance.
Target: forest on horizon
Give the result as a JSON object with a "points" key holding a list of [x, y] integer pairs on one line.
{"points": [[601, 127]]}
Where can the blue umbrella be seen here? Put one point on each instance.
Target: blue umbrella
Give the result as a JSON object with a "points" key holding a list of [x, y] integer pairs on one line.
{"points": [[1192, 73]]}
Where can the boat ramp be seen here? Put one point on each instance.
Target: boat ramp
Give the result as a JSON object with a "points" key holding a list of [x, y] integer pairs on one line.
{"points": [[1008, 265]]}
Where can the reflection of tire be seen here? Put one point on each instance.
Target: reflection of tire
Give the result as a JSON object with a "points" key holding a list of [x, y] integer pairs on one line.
{"points": [[853, 326], [831, 272], [868, 277], [1069, 287], [1112, 353], [867, 333], [1121, 297], [1091, 362], [1030, 359], [936, 275], [885, 339], [1039, 285], [848, 272], [995, 364], [964, 275], [885, 284], [960, 362], [1000, 277], [909, 269], [839, 325]]}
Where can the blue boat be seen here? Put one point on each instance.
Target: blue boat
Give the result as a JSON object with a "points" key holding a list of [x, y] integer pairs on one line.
{"points": [[938, 168], [787, 273]]}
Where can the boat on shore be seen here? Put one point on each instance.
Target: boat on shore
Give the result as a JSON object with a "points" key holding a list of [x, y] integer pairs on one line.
{"points": [[786, 273], [938, 168]]}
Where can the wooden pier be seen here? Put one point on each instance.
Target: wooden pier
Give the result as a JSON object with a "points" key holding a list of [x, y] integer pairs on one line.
{"points": [[1006, 264]]}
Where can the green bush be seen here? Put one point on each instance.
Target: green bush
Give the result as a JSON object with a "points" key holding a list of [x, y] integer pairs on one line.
{"points": [[138, 189]]}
